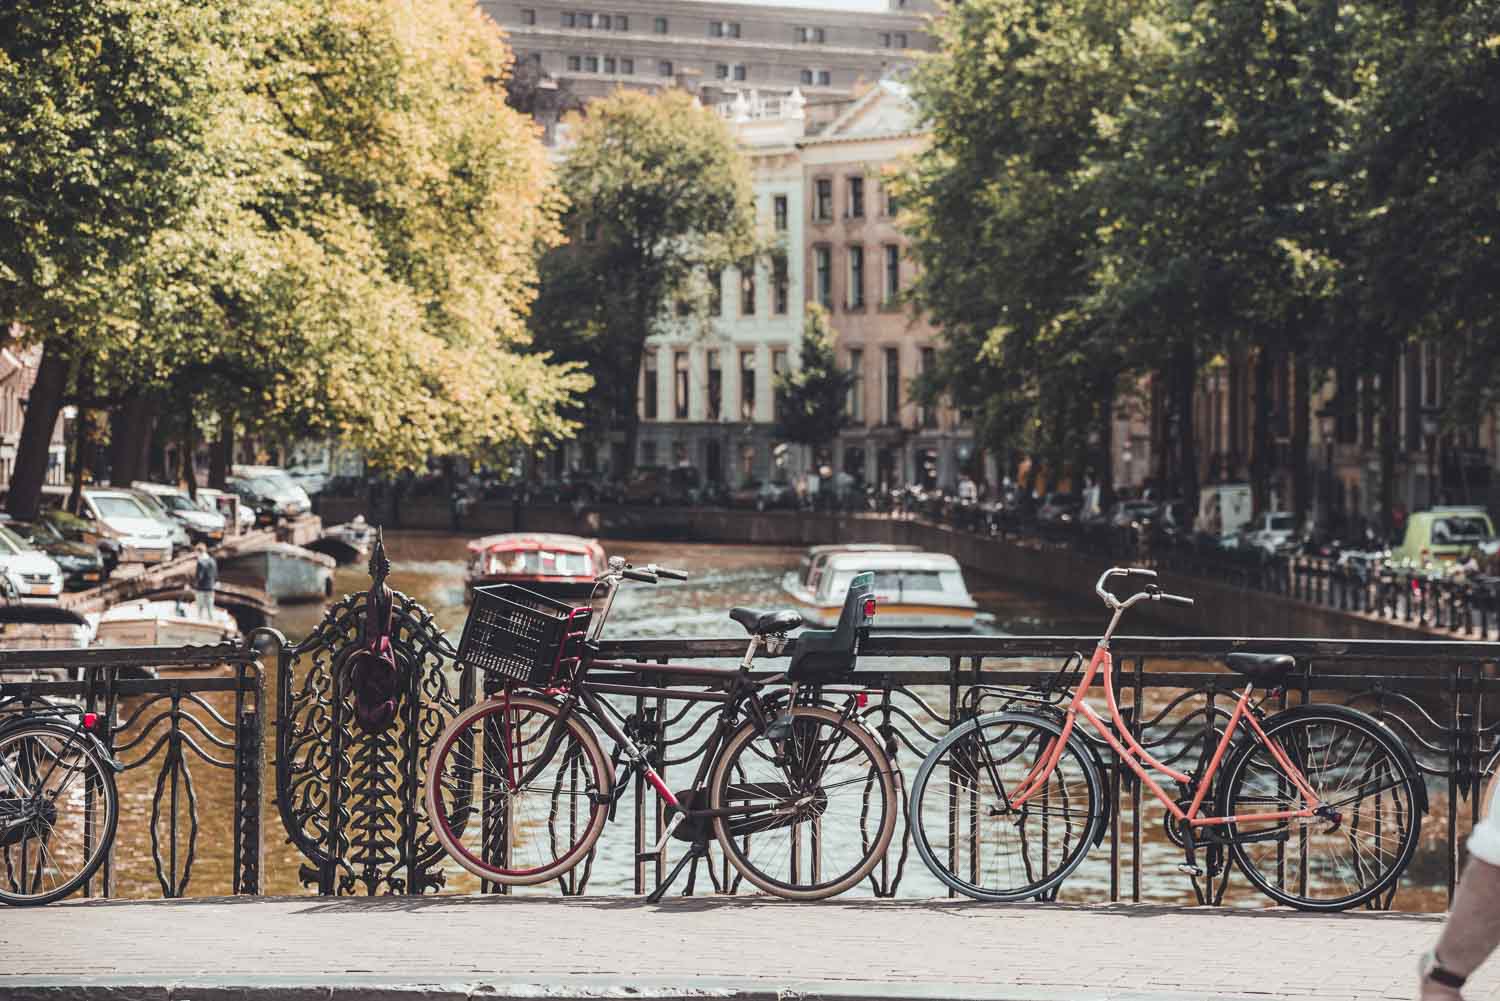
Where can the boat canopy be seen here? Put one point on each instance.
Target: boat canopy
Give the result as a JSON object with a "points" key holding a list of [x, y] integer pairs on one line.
{"points": [[545, 554]]}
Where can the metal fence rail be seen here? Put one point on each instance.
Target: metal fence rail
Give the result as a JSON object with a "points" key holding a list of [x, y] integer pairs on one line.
{"points": [[174, 741]]}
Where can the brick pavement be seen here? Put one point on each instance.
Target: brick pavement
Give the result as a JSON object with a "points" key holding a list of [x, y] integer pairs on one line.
{"points": [[296, 949]]}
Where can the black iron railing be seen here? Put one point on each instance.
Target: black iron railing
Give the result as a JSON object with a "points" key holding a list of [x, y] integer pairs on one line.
{"points": [[187, 723]]}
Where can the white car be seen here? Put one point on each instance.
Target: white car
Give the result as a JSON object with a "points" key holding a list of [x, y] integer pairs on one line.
{"points": [[202, 525], [30, 574], [122, 515], [219, 501]]}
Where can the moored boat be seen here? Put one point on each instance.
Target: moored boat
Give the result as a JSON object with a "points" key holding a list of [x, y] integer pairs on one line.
{"points": [[162, 622], [346, 543], [556, 565], [914, 589], [286, 572]]}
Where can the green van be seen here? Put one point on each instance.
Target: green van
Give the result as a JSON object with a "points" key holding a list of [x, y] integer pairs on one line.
{"points": [[1444, 534]]}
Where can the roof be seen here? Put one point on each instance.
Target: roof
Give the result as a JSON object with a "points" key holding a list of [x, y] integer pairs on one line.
{"points": [[892, 561], [556, 541], [862, 547]]}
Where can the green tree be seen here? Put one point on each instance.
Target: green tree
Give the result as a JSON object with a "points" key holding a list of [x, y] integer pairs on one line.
{"points": [[659, 196], [813, 398]]}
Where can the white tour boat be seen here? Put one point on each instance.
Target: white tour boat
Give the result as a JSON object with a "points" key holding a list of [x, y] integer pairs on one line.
{"points": [[914, 589]]}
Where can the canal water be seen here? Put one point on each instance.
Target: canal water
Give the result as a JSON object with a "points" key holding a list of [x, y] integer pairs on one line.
{"points": [[430, 568]]}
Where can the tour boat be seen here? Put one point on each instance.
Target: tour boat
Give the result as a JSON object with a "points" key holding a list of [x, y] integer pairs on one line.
{"points": [[913, 589], [558, 566], [346, 543], [162, 622]]}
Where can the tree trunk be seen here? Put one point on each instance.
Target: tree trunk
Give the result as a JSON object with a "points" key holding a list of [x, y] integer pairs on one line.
{"points": [[129, 438], [223, 454], [43, 405], [1301, 433], [1260, 463], [87, 456], [187, 472], [1388, 434], [1106, 451], [1186, 373]]}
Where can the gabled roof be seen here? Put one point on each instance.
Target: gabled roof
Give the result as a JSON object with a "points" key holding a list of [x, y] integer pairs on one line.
{"points": [[886, 109]]}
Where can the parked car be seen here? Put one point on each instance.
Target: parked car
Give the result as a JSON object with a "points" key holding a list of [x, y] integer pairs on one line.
{"points": [[662, 486], [1444, 535], [181, 540], [269, 492], [1270, 532], [201, 525], [121, 515], [1060, 510], [31, 574], [76, 529], [80, 562], [213, 501]]}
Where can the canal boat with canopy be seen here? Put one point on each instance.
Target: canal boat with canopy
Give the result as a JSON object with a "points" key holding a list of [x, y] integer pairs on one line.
{"points": [[915, 589], [549, 563]]}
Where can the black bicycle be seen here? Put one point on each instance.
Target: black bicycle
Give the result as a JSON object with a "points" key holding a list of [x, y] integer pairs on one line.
{"points": [[58, 802], [799, 794]]}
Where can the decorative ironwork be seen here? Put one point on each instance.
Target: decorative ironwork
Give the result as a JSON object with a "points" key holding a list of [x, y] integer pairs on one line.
{"points": [[168, 730], [352, 800]]}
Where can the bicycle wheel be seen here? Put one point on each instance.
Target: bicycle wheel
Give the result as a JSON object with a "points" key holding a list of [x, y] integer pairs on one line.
{"points": [[1353, 765], [967, 831], [828, 799], [517, 795], [58, 811]]}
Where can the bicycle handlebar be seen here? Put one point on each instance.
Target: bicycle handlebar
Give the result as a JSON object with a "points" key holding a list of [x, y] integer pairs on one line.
{"points": [[669, 573], [1151, 593], [644, 576], [1175, 599]]}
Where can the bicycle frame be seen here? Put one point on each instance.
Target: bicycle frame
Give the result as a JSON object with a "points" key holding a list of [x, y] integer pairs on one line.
{"points": [[1139, 760]]}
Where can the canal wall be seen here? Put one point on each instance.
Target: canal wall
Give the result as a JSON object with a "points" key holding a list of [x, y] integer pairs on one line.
{"points": [[1221, 610]]}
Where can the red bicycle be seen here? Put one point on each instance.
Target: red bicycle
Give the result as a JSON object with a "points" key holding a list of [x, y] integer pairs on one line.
{"points": [[1320, 805]]}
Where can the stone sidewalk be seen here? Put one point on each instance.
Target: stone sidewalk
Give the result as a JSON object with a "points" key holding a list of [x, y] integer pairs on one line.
{"points": [[383, 949]]}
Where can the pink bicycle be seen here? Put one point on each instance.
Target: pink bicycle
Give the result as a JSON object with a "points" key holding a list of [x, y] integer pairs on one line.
{"points": [[1320, 805]]}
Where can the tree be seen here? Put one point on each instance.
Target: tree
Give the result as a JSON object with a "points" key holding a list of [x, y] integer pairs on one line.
{"points": [[813, 398], [659, 196]]}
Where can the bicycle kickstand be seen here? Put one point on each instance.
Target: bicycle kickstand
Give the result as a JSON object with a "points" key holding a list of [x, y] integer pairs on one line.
{"points": [[698, 851]]}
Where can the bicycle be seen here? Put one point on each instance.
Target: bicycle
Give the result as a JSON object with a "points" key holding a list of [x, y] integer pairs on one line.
{"points": [[58, 802], [1320, 805], [797, 792]]}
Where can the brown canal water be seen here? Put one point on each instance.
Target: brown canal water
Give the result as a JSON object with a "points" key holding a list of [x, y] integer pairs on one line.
{"points": [[430, 567]]}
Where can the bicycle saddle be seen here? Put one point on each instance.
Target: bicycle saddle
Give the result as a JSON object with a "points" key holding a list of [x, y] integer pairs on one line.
{"points": [[1269, 669], [759, 623]]}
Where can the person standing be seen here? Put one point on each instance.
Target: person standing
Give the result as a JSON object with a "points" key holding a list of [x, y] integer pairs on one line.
{"points": [[205, 576], [1472, 930]]}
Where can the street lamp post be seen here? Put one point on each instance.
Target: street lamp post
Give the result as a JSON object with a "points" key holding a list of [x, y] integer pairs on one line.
{"points": [[1327, 426], [1430, 427]]}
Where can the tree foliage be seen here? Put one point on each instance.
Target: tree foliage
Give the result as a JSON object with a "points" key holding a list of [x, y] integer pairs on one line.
{"points": [[812, 399]]}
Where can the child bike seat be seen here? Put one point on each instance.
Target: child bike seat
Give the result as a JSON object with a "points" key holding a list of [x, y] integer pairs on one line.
{"points": [[824, 654]]}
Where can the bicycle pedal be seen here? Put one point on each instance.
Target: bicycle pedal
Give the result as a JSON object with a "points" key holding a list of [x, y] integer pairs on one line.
{"points": [[1189, 870]]}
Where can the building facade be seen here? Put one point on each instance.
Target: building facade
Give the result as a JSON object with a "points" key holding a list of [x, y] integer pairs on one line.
{"points": [[859, 268], [18, 368], [592, 48]]}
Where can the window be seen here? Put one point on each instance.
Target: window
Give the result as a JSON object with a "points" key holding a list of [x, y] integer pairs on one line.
{"points": [[779, 284], [891, 205], [900, 39], [778, 369], [823, 266], [603, 21], [747, 462], [648, 453], [885, 39], [747, 288], [739, 72], [649, 390], [575, 63], [567, 19], [585, 20], [664, 68], [680, 384], [716, 29], [721, 71], [716, 293], [892, 386], [622, 22], [856, 406], [660, 26], [929, 414], [591, 231], [892, 272], [807, 77], [528, 16], [778, 211], [715, 386], [814, 36], [823, 199], [747, 385], [734, 29], [856, 197], [609, 64], [591, 64], [627, 66], [856, 296], [823, 78]]}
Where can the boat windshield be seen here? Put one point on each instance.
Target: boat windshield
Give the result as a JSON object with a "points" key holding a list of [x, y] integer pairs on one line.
{"points": [[539, 562]]}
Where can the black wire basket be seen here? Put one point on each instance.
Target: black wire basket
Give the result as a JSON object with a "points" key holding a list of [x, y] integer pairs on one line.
{"points": [[518, 635]]}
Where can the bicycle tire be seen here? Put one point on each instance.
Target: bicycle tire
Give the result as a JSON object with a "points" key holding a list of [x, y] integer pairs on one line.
{"points": [[1080, 829], [102, 837], [505, 847], [1376, 750], [744, 840]]}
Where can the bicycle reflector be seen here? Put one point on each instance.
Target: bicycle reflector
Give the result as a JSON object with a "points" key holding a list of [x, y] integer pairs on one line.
{"points": [[869, 608], [90, 720]]}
